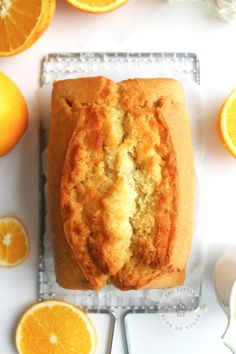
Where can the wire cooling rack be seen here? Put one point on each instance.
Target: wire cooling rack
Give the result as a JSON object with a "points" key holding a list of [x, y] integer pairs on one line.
{"points": [[120, 66], [58, 65]]}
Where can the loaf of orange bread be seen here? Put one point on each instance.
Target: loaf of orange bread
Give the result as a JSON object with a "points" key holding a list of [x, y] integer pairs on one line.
{"points": [[121, 183]]}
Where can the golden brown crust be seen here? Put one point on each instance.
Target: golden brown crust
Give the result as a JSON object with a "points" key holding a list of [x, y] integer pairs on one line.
{"points": [[167, 280], [63, 123], [170, 245], [126, 181], [140, 276]]}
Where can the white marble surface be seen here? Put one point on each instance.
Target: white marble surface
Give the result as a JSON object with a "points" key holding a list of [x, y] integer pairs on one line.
{"points": [[141, 25]]}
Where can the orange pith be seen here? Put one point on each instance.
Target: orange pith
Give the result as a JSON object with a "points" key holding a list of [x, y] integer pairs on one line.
{"points": [[97, 6], [55, 327], [14, 244], [22, 22], [227, 123]]}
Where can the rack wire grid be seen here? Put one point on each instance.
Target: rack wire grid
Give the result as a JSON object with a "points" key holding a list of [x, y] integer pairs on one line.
{"points": [[112, 301]]}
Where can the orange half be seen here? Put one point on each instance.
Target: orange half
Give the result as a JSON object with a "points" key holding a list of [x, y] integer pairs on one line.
{"points": [[227, 123], [97, 6], [14, 244], [55, 327], [22, 22]]}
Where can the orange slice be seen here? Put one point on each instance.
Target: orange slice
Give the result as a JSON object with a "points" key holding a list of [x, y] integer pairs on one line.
{"points": [[55, 327], [14, 244], [13, 114], [22, 22], [227, 123], [97, 6]]}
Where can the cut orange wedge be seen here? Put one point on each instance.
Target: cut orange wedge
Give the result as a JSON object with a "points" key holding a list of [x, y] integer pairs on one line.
{"points": [[22, 22], [97, 6], [227, 123], [14, 244], [55, 327]]}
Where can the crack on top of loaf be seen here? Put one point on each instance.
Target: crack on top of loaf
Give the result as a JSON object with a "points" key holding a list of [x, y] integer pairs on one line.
{"points": [[148, 195], [69, 103], [72, 104], [142, 198], [159, 102], [114, 144]]}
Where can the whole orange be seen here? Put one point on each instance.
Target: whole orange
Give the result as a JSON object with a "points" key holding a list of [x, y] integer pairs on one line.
{"points": [[13, 114]]}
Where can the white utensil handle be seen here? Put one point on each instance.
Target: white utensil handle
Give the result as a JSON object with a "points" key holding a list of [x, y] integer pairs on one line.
{"points": [[229, 338]]}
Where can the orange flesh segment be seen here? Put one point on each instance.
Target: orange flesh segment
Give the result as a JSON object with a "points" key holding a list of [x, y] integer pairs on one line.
{"points": [[18, 23], [97, 6], [22, 22], [227, 123], [13, 242], [97, 3], [231, 121], [55, 327]]}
